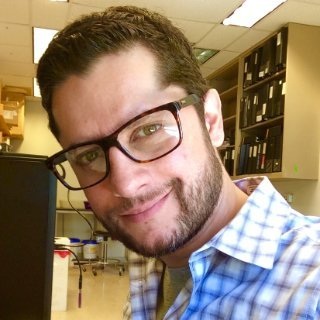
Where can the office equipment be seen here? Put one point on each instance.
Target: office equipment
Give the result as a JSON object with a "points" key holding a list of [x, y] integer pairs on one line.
{"points": [[27, 217]]}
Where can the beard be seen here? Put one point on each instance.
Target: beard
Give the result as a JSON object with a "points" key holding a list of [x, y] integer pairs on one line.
{"points": [[196, 200]]}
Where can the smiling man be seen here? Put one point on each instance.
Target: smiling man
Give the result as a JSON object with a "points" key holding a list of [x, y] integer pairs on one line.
{"points": [[139, 130]]}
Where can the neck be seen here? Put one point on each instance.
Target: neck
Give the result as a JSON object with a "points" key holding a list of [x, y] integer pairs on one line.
{"points": [[230, 201]]}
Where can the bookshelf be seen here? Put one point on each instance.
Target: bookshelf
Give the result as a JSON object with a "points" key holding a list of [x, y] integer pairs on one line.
{"points": [[290, 128], [225, 81]]}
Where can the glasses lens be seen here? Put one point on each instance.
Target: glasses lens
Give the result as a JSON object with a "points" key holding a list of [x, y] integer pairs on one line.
{"points": [[151, 136], [83, 166]]}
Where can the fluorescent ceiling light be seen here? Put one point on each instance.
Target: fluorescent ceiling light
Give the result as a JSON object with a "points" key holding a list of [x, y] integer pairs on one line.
{"points": [[204, 55], [59, 0], [41, 40], [36, 89], [251, 11]]}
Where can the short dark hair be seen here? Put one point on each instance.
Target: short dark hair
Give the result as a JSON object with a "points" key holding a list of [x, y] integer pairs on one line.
{"points": [[75, 48]]}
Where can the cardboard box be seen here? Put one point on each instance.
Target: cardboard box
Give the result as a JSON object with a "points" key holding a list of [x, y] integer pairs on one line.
{"points": [[10, 112], [10, 93]]}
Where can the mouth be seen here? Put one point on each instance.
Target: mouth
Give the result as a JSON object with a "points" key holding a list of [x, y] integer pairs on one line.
{"points": [[146, 211]]}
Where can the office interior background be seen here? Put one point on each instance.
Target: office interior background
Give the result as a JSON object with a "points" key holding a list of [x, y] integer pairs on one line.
{"points": [[201, 22]]}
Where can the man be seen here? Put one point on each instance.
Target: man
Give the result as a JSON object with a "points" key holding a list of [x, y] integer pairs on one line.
{"points": [[140, 129]]}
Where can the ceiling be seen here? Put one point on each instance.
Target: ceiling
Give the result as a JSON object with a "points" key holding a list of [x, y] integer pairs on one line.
{"points": [[199, 19]]}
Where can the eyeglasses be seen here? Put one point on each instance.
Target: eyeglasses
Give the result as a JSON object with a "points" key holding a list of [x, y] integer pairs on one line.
{"points": [[147, 137]]}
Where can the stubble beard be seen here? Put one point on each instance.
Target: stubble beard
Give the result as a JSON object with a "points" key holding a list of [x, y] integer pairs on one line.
{"points": [[196, 200]]}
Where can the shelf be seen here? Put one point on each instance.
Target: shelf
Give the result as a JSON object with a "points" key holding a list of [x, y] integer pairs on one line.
{"points": [[259, 84], [229, 121], [230, 93], [264, 124]]}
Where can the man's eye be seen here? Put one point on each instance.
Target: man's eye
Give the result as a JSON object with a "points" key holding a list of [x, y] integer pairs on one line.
{"points": [[87, 157], [151, 129], [147, 131]]}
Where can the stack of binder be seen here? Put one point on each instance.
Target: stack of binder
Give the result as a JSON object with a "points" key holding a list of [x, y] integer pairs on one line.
{"points": [[228, 159], [264, 103], [266, 60], [261, 154]]}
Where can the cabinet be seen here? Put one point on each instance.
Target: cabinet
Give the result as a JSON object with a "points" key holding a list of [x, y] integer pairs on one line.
{"points": [[287, 137]]}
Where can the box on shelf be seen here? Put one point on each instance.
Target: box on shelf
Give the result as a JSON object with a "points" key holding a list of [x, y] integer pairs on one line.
{"points": [[11, 112]]}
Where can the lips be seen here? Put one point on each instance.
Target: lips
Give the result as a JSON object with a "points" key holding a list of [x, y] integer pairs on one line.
{"points": [[145, 212]]}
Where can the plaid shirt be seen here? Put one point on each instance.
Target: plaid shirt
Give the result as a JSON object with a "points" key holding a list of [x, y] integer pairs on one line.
{"points": [[264, 265]]}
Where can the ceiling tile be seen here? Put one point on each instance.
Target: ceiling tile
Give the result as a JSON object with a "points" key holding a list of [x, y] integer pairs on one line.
{"points": [[76, 11], [196, 10], [15, 34], [291, 11], [220, 59], [15, 11], [247, 40], [15, 53], [215, 40], [194, 31], [48, 14]]}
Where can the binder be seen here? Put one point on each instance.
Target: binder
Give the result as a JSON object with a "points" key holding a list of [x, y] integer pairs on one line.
{"points": [[254, 157], [281, 48], [249, 109], [272, 99], [250, 156], [244, 153], [267, 66], [262, 157], [263, 102], [254, 108], [257, 54], [279, 97], [248, 68], [259, 156], [243, 112], [274, 148], [229, 160], [246, 111]]}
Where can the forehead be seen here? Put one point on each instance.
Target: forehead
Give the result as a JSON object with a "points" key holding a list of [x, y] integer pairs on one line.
{"points": [[116, 88]]}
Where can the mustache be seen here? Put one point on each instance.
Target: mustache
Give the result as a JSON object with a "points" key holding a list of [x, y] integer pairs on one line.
{"points": [[126, 204]]}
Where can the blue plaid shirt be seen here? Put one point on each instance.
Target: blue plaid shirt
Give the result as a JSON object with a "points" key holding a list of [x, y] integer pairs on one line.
{"points": [[264, 265]]}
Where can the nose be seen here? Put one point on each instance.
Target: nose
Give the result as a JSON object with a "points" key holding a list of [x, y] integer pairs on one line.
{"points": [[127, 178]]}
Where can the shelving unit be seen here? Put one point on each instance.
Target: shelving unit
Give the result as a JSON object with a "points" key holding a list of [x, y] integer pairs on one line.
{"points": [[63, 214], [12, 102], [225, 81], [298, 121]]}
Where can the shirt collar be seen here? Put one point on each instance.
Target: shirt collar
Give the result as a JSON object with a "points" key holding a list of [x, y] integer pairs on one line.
{"points": [[253, 235]]}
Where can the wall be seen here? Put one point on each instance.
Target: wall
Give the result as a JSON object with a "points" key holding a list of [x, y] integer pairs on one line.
{"points": [[306, 195], [39, 140]]}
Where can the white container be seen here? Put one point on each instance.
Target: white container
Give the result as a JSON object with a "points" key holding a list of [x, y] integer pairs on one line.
{"points": [[90, 249], [75, 246]]}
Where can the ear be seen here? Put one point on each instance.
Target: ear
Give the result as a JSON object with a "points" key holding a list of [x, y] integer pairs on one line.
{"points": [[213, 117]]}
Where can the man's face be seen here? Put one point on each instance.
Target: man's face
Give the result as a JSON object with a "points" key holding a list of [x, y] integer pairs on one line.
{"points": [[155, 207]]}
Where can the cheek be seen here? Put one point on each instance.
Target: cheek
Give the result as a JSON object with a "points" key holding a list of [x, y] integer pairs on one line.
{"points": [[99, 199]]}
